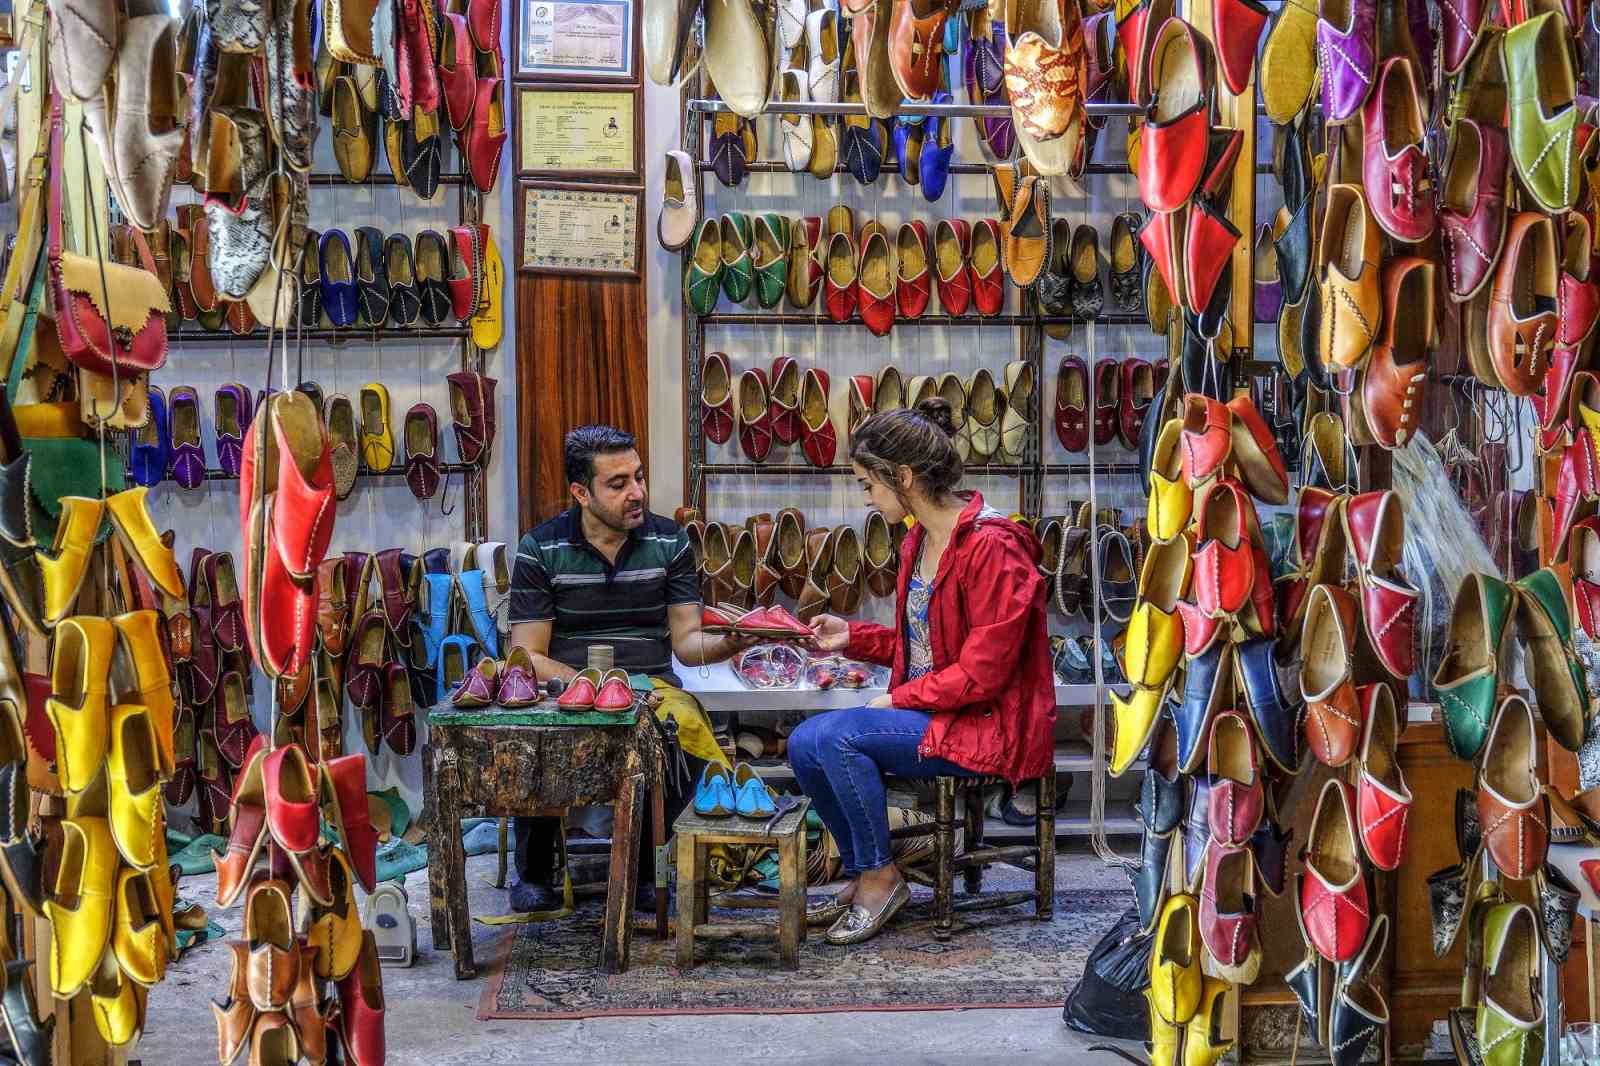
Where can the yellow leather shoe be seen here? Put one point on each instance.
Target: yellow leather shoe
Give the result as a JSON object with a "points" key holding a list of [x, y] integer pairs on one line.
{"points": [[117, 1003], [1154, 644], [67, 560], [1210, 1035], [141, 640], [1166, 1040], [79, 907], [377, 440], [77, 706], [130, 517], [1171, 498], [1176, 983], [137, 935], [134, 780], [488, 324], [335, 932], [1135, 722], [166, 895]]}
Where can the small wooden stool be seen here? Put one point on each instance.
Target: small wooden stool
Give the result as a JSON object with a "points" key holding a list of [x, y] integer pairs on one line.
{"points": [[695, 835]]}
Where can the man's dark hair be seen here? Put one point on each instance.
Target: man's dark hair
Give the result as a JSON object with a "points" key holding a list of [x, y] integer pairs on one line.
{"points": [[584, 443]]}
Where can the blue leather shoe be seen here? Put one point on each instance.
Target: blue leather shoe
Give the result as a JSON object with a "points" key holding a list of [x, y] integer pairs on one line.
{"points": [[338, 278], [151, 451], [938, 145], [1277, 719], [1270, 846], [457, 654], [713, 796], [1206, 688], [471, 582], [955, 32], [751, 798], [434, 626], [907, 141]]}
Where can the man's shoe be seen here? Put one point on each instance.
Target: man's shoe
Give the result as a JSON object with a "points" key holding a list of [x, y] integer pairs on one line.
{"points": [[531, 896]]}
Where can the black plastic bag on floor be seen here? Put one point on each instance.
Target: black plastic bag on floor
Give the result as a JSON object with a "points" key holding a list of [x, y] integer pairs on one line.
{"points": [[1109, 999]]}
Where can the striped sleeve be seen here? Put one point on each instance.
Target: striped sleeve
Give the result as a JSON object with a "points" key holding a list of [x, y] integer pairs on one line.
{"points": [[531, 590], [683, 574]]}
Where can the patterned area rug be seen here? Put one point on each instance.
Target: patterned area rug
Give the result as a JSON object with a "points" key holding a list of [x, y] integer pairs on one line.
{"points": [[996, 959]]}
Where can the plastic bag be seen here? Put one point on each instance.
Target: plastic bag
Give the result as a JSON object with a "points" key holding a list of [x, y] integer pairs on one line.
{"points": [[1109, 999]]}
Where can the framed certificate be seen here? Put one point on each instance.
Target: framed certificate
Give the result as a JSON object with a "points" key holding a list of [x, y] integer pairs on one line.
{"points": [[570, 228], [577, 40], [578, 131]]}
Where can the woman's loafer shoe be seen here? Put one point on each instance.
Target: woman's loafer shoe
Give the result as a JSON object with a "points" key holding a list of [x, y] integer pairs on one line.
{"points": [[858, 923]]}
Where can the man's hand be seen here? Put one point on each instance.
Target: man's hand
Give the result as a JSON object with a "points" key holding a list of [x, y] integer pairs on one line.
{"points": [[830, 633]]}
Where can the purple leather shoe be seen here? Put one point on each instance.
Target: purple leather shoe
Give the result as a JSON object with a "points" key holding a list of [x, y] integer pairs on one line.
{"points": [[518, 685], [233, 411], [188, 452], [1268, 283], [1346, 41], [986, 82], [477, 688], [1100, 57]]}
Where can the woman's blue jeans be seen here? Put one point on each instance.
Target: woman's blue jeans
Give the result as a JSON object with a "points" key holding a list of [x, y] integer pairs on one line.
{"points": [[840, 759]]}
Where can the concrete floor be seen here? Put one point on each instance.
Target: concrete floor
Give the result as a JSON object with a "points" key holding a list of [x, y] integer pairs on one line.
{"points": [[432, 1016]]}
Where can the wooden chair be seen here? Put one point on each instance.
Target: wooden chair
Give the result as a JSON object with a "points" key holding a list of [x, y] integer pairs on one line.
{"points": [[975, 855]]}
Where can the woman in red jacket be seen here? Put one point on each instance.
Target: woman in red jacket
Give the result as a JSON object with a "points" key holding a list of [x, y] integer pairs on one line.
{"points": [[971, 691]]}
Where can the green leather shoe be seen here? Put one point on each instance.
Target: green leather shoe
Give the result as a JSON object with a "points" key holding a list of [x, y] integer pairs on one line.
{"points": [[703, 284], [1465, 682], [771, 255], [1554, 672], [1541, 89], [738, 270], [1511, 1018], [1479, 91]]}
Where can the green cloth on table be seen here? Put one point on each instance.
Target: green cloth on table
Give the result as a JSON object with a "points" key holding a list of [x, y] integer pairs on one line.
{"points": [[398, 858], [490, 716]]}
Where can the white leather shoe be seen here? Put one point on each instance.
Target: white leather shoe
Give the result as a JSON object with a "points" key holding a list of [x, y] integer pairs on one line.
{"points": [[792, 23], [797, 133], [680, 203], [822, 45], [738, 56]]}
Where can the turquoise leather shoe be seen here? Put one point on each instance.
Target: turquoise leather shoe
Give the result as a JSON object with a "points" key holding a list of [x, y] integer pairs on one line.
{"points": [[457, 654], [471, 582], [713, 797], [436, 626], [752, 800]]}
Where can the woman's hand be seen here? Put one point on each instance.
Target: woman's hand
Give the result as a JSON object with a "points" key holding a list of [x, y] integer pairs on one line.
{"points": [[884, 700], [830, 633]]}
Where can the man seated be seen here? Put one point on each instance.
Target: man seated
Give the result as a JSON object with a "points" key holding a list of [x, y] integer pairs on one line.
{"points": [[607, 571]]}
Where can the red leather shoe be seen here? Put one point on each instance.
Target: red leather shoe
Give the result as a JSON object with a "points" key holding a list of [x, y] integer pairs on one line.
{"points": [[483, 22], [1462, 22], [840, 283], [1105, 401], [1578, 299], [1374, 525], [1237, 25], [1173, 139], [1236, 800], [755, 415], [988, 275], [1138, 390], [1583, 553], [1224, 572], [361, 1007], [1395, 170], [1577, 483], [818, 439], [227, 610], [1208, 246], [1072, 404], [486, 134], [1334, 910], [615, 694], [1255, 454], [344, 796], [1383, 802], [877, 283], [1162, 236], [249, 833], [862, 387], [1394, 385], [293, 816], [1132, 30], [1472, 206], [363, 674], [1327, 642], [913, 280], [1512, 808], [1260, 617], [580, 693], [1207, 439], [1230, 923], [952, 240], [398, 714], [1200, 630], [466, 272], [419, 31], [716, 398], [783, 400], [457, 70]]}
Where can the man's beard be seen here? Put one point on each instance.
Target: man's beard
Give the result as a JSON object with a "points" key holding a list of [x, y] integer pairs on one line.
{"points": [[619, 520]]}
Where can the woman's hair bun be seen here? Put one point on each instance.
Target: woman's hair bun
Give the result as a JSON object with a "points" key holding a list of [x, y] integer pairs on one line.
{"points": [[937, 409]]}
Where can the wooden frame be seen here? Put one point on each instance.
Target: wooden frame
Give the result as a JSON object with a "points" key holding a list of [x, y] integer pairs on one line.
{"points": [[531, 168], [630, 197], [526, 69]]}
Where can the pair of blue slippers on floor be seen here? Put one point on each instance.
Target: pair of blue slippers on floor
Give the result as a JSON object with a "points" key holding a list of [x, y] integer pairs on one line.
{"points": [[744, 793]]}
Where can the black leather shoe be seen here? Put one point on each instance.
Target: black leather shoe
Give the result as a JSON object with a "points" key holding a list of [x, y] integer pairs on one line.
{"points": [[1088, 294], [372, 277], [432, 266], [15, 525], [30, 1038], [1054, 287], [1127, 263], [310, 305], [1203, 372], [1119, 581], [1161, 793], [1270, 847], [528, 896], [1276, 718], [421, 150], [1150, 876], [1359, 1013], [1197, 830], [400, 269], [20, 860]]}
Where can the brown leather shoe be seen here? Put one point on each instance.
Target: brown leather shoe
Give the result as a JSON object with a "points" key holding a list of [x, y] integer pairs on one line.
{"points": [[763, 535], [1027, 240], [1511, 808], [1392, 388], [1351, 301], [815, 596], [1522, 320], [333, 605], [1333, 715], [846, 572], [881, 557], [789, 552]]}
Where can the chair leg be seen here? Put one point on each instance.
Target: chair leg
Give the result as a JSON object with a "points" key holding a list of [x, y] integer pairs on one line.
{"points": [[944, 859], [972, 835], [1044, 823]]}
